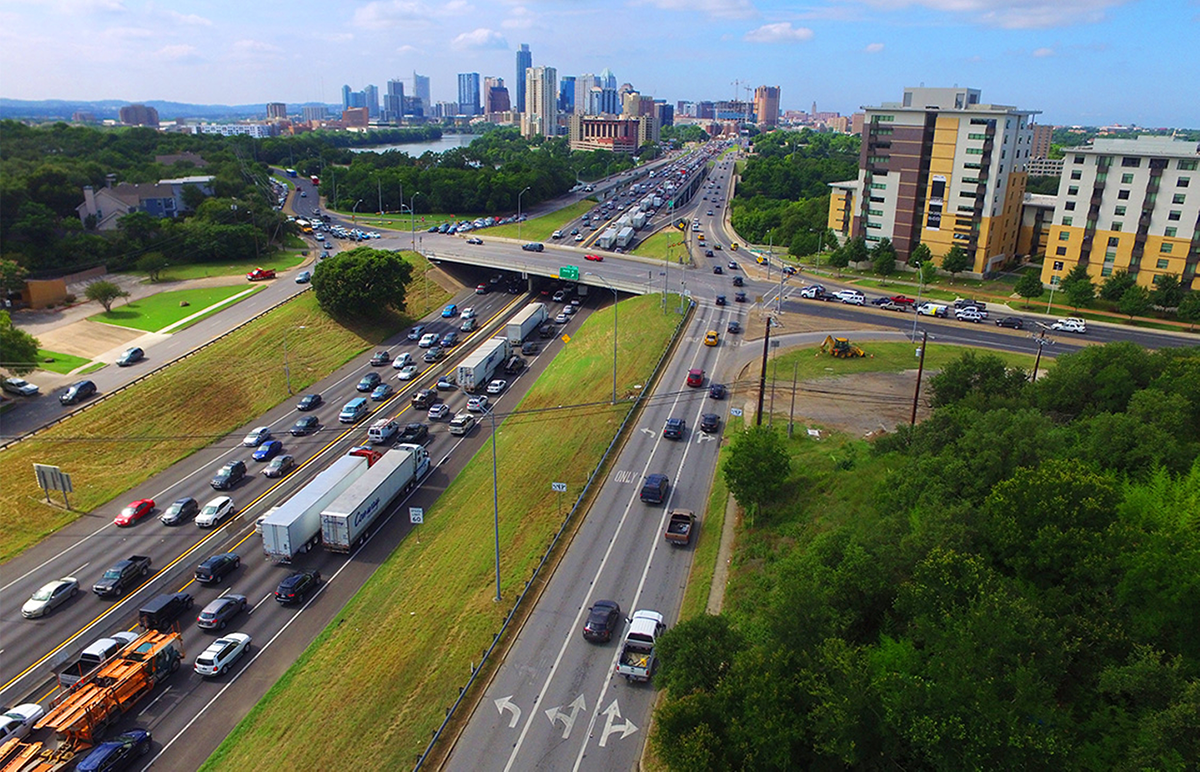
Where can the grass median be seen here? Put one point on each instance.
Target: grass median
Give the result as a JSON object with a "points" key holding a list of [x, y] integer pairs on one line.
{"points": [[662, 245], [118, 443], [397, 654], [280, 261], [540, 228]]}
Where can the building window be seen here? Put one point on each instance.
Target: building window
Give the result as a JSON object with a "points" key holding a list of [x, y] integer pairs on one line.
{"points": [[1126, 179], [875, 212], [1114, 241], [881, 118], [974, 151], [1117, 226], [1120, 210], [1170, 232], [1058, 264], [1177, 198], [977, 136], [1182, 182], [1106, 270], [1067, 221], [1123, 195], [878, 186], [1173, 215], [1070, 206], [1073, 190], [1064, 236], [1166, 247], [1187, 166], [1131, 163], [1078, 159], [1162, 265], [1076, 174]]}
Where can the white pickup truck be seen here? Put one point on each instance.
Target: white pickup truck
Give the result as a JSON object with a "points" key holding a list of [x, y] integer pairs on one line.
{"points": [[636, 662], [1070, 324]]}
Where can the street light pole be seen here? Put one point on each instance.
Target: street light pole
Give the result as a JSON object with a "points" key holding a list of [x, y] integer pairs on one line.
{"points": [[615, 300], [412, 209], [917, 305], [495, 500], [354, 211], [287, 370], [519, 212]]}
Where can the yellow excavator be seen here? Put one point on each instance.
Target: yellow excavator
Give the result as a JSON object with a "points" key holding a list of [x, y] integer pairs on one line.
{"points": [[841, 348]]}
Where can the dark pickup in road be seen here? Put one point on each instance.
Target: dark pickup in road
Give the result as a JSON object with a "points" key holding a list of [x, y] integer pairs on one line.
{"points": [[121, 576]]}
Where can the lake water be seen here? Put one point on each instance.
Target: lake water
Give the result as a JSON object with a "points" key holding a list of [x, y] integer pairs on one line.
{"points": [[447, 142]]}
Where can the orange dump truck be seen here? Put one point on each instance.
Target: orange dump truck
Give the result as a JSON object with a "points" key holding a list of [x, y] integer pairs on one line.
{"points": [[81, 714]]}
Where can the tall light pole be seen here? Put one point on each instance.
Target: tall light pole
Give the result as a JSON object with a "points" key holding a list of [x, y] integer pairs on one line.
{"points": [[354, 211], [412, 209], [287, 371], [519, 212], [495, 500], [917, 305], [614, 292]]}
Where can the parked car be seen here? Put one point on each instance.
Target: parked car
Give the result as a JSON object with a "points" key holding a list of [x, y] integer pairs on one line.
{"points": [[215, 512], [968, 314], [297, 587], [134, 512], [19, 386], [851, 297], [180, 511], [217, 614], [130, 356], [217, 567], [603, 618], [221, 654], [309, 402], [257, 436], [305, 425], [268, 450], [50, 596], [811, 291], [279, 466]]}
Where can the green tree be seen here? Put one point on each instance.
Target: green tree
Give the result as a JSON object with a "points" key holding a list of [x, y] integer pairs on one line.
{"points": [[955, 261], [856, 250], [1167, 291], [883, 258], [152, 264], [1077, 286], [758, 466], [927, 272], [18, 349], [982, 377], [12, 277], [694, 656], [839, 259], [1114, 286], [105, 293], [1029, 286], [1189, 309], [1135, 301], [920, 255], [362, 282]]}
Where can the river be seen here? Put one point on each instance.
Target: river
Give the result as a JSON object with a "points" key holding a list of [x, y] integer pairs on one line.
{"points": [[447, 142]]}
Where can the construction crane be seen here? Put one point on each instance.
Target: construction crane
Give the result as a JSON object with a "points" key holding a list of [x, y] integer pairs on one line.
{"points": [[841, 348]]}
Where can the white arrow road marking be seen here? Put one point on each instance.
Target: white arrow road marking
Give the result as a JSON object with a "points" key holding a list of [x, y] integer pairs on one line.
{"points": [[556, 714], [506, 703], [651, 432], [702, 437], [612, 712]]}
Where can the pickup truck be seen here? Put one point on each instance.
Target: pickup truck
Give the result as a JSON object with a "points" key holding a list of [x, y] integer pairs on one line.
{"points": [[122, 575], [93, 657], [679, 527], [259, 274], [636, 662]]}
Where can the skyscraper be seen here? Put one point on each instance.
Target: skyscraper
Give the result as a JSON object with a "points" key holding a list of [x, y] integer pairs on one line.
{"points": [[421, 88], [541, 102], [346, 98], [495, 96], [566, 94], [607, 79], [468, 93], [276, 111], [524, 62], [393, 103], [583, 90], [371, 100], [766, 105]]}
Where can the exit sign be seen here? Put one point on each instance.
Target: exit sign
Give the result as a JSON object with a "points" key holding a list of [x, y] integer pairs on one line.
{"points": [[570, 272]]}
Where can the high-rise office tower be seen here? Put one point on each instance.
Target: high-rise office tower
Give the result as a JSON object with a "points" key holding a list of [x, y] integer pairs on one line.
{"points": [[276, 111], [566, 94], [524, 62], [541, 102], [371, 100], [607, 79], [495, 96], [766, 105], [421, 88], [583, 90], [468, 93], [346, 104], [393, 103]]}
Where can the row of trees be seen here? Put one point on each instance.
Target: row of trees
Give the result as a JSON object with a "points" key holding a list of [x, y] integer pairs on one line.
{"points": [[1122, 292], [1018, 590]]}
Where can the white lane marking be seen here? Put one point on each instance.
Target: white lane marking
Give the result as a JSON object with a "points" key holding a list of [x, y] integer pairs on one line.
{"points": [[506, 703]]}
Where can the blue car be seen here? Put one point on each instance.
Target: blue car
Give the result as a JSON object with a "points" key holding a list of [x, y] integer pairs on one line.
{"points": [[450, 311], [381, 392], [268, 450], [117, 753]]}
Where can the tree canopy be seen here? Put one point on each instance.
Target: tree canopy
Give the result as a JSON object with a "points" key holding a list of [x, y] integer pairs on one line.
{"points": [[361, 282]]}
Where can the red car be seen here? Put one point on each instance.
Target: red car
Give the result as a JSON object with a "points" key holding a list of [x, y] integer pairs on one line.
{"points": [[135, 512], [258, 274], [597, 258], [695, 377], [902, 300]]}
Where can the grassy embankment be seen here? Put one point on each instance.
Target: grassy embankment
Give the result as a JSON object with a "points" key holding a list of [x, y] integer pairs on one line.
{"points": [[155, 312], [657, 246], [280, 261], [396, 655], [540, 228], [245, 368], [63, 363]]}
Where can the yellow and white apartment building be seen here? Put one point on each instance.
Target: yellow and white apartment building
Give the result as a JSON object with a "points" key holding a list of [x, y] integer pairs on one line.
{"points": [[1127, 204], [939, 168]]}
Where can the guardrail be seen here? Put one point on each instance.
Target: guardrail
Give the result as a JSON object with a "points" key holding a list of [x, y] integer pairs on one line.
{"points": [[108, 394], [617, 439]]}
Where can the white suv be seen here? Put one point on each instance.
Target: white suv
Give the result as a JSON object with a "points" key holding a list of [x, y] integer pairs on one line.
{"points": [[1070, 324], [851, 296], [970, 314]]}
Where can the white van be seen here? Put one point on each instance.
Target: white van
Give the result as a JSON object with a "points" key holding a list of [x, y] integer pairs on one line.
{"points": [[382, 431], [354, 410]]}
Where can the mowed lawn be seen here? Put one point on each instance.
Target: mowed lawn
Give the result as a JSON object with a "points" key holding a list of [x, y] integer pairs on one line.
{"points": [[63, 363], [382, 673], [885, 357], [118, 443], [158, 311], [539, 228], [657, 245]]}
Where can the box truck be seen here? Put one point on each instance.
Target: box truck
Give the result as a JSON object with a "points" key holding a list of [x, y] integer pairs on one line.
{"points": [[607, 239], [351, 515], [625, 237], [477, 369], [525, 322]]}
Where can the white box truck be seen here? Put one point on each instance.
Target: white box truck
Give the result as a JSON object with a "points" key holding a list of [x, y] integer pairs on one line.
{"points": [[625, 237], [526, 321], [477, 369], [351, 515], [607, 239], [295, 526], [638, 221]]}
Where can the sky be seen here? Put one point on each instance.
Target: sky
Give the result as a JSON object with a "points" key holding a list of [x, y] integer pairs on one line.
{"points": [[1090, 62]]}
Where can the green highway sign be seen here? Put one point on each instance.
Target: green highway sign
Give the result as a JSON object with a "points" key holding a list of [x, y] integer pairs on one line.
{"points": [[570, 272]]}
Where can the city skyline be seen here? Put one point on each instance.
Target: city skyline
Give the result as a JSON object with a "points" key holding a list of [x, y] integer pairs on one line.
{"points": [[1090, 62]]}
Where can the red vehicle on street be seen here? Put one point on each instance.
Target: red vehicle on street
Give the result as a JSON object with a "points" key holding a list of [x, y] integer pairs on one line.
{"points": [[259, 274], [695, 377], [134, 512], [596, 258], [902, 300]]}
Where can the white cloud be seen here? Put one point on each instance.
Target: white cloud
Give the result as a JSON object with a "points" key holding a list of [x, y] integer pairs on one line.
{"points": [[1041, 53], [521, 18], [190, 19], [177, 53], [482, 38], [721, 9], [390, 13], [255, 49], [873, 48], [407, 50], [781, 32], [1010, 14]]}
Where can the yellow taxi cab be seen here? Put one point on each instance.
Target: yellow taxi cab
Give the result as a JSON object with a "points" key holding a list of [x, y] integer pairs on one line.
{"points": [[734, 246], [710, 338]]}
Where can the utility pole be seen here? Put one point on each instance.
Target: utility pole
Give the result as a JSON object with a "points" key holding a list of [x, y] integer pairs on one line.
{"points": [[762, 373], [792, 411], [920, 369]]}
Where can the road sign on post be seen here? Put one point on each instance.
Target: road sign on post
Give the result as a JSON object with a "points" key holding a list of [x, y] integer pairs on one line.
{"points": [[569, 272], [51, 478], [558, 487], [416, 515]]}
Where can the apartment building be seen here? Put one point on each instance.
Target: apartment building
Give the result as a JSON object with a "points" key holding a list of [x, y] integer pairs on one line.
{"points": [[541, 102], [940, 168], [1127, 204]]}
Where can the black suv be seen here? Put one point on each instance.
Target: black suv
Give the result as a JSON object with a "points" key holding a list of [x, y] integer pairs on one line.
{"points": [[215, 568], [529, 348], [296, 588], [532, 247], [654, 491], [602, 621], [229, 475], [77, 392], [414, 432], [424, 398], [180, 511], [674, 429]]}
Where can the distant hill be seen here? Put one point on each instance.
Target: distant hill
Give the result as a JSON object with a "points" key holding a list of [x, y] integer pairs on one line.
{"points": [[62, 109]]}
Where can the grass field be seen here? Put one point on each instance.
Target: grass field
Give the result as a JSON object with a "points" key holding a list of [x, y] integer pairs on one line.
{"points": [[656, 245], [280, 261], [247, 366], [63, 363], [704, 560], [401, 222], [396, 655], [158, 311], [540, 228]]}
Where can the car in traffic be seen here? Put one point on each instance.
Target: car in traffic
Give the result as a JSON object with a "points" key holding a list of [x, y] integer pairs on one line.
{"points": [[215, 512], [462, 423], [739, 297], [733, 327], [594, 258], [738, 281], [718, 270], [811, 291], [475, 240], [380, 358], [1012, 322], [296, 587], [932, 309], [217, 614], [533, 246], [497, 386], [134, 512], [130, 355], [381, 392], [304, 277], [416, 332], [413, 433], [221, 654], [711, 338], [50, 596], [717, 391], [467, 313], [423, 398], [256, 436], [19, 386], [467, 325], [305, 425], [268, 450], [368, 382], [969, 314], [229, 475], [117, 753], [309, 402], [721, 300], [403, 359], [529, 348], [674, 429], [432, 354], [180, 511], [695, 377], [17, 722], [408, 372], [851, 297], [603, 618], [438, 411], [449, 340], [450, 311], [77, 392], [214, 569], [709, 422], [477, 404], [1070, 324], [279, 466], [562, 318]]}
